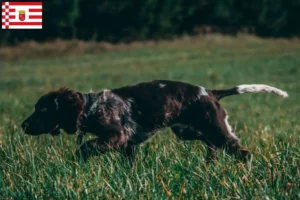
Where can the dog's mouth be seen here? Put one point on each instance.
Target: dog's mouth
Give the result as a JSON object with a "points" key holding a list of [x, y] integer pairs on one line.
{"points": [[55, 131]]}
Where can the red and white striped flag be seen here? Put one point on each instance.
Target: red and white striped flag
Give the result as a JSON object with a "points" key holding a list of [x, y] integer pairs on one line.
{"points": [[22, 15]]}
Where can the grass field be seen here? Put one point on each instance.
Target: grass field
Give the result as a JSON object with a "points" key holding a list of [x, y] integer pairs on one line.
{"points": [[42, 167]]}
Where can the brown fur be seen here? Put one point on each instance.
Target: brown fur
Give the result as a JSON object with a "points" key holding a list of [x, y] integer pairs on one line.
{"points": [[123, 118]]}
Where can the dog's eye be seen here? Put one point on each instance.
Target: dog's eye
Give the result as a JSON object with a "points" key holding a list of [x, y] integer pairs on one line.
{"points": [[44, 109]]}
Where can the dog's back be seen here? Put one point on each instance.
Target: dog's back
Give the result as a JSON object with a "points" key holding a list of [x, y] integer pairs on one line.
{"points": [[158, 103]]}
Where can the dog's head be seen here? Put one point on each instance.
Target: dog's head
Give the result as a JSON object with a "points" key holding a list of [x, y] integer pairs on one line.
{"points": [[56, 110]]}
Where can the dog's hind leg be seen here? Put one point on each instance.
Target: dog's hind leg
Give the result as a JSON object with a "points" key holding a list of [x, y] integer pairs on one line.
{"points": [[185, 132], [233, 144], [211, 153], [212, 122], [219, 133]]}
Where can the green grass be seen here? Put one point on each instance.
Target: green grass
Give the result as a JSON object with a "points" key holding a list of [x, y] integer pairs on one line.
{"points": [[42, 167]]}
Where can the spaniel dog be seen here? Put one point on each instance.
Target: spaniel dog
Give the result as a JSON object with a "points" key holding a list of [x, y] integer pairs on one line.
{"points": [[125, 117]]}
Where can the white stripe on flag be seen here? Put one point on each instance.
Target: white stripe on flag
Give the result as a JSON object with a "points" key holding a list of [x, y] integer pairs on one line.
{"points": [[24, 7], [30, 13], [33, 13], [26, 20]]}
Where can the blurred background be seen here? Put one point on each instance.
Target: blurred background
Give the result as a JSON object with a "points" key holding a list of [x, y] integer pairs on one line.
{"points": [[97, 44], [129, 20]]}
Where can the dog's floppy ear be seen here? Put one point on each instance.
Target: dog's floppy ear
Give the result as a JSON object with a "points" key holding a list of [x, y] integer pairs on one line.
{"points": [[70, 105]]}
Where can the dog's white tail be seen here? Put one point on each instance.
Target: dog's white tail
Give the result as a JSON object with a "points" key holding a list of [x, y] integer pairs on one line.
{"points": [[252, 88]]}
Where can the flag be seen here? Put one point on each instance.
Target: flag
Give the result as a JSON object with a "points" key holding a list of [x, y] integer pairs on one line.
{"points": [[22, 15]]}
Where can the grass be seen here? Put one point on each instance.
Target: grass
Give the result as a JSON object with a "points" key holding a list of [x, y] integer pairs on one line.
{"points": [[42, 167]]}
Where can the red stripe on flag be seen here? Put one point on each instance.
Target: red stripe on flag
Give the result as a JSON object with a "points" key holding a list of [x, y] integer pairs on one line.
{"points": [[3, 24], [25, 3], [25, 23], [35, 17], [10, 16], [34, 10], [9, 10]]}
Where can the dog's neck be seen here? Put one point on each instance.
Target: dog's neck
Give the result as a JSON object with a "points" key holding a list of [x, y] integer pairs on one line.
{"points": [[87, 102]]}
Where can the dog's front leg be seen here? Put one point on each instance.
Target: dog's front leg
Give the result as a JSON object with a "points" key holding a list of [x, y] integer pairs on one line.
{"points": [[130, 153], [100, 145], [79, 138]]}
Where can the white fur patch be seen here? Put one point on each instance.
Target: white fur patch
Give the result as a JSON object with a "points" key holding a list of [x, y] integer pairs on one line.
{"points": [[105, 91], [254, 88], [229, 128], [102, 98], [202, 91], [130, 130], [161, 85]]}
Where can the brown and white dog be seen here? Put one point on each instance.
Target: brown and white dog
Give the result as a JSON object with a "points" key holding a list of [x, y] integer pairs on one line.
{"points": [[125, 117]]}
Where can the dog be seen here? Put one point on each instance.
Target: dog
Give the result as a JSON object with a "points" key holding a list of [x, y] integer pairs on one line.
{"points": [[125, 117]]}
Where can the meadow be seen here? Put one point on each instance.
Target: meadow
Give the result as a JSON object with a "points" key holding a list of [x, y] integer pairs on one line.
{"points": [[42, 167]]}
